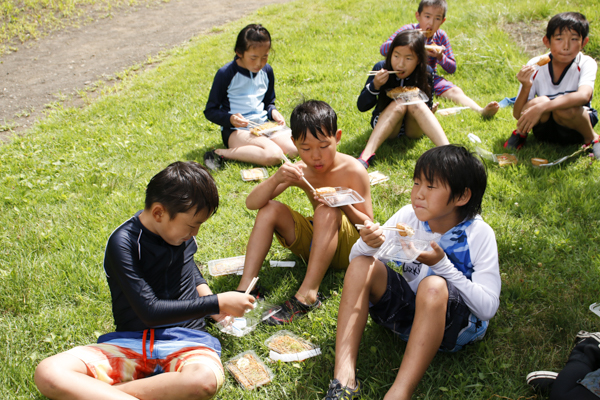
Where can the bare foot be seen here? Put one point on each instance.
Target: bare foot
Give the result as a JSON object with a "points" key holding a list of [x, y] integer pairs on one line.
{"points": [[490, 110], [435, 107]]}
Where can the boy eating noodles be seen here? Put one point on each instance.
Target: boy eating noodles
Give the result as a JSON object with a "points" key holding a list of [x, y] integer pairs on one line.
{"points": [[159, 300], [554, 99], [444, 299], [325, 238], [430, 15]]}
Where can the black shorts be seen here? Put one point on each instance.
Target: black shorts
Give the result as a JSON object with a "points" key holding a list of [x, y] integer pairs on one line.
{"points": [[396, 310], [551, 131], [225, 133]]}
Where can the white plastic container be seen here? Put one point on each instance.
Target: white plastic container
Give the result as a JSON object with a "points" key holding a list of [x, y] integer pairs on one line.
{"points": [[249, 370], [376, 177], [409, 97], [227, 266], [241, 326], [342, 197], [287, 347], [254, 174], [407, 248]]}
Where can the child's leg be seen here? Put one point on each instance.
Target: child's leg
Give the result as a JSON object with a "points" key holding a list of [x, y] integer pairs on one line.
{"points": [[326, 224], [286, 144], [64, 376], [365, 281], [421, 120], [425, 337], [244, 146], [275, 216], [456, 95], [388, 125], [576, 118]]}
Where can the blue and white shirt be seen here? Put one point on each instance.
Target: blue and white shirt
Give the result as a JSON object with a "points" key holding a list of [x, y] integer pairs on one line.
{"points": [[470, 264], [237, 90]]}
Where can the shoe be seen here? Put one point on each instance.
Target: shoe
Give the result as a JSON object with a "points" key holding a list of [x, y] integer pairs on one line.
{"points": [[596, 149], [337, 391], [515, 141], [292, 309], [259, 293], [213, 161], [369, 160], [541, 380], [584, 336]]}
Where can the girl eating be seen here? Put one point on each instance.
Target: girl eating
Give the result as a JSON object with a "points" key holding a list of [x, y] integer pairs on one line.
{"points": [[242, 97], [407, 62]]}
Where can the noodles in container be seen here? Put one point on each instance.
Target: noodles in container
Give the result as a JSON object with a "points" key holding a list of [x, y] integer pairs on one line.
{"points": [[407, 95], [249, 370], [285, 346]]}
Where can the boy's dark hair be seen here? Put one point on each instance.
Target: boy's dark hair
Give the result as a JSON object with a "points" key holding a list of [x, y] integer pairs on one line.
{"points": [[415, 41], [251, 35], [181, 187], [314, 116], [457, 169], [433, 3], [573, 21]]}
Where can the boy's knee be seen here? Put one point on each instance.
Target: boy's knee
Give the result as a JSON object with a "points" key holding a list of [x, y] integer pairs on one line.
{"points": [[270, 211], [433, 290], [200, 383], [564, 116], [331, 214]]}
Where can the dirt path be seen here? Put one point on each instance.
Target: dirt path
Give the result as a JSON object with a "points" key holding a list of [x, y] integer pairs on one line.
{"points": [[53, 68]]}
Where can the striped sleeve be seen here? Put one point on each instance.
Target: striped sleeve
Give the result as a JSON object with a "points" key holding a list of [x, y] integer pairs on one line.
{"points": [[385, 47]]}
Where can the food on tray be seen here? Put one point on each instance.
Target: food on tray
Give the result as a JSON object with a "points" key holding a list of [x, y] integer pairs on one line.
{"points": [[253, 174], [506, 159], [404, 229], [543, 60], [249, 371], [377, 177], [227, 266], [324, 190], [434, 47], [539, 161], [393, 93], [286, 344], [259, 129]]}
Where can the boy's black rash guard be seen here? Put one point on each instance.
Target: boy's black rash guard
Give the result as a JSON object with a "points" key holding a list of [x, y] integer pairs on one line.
{"points": [[152, 283]]}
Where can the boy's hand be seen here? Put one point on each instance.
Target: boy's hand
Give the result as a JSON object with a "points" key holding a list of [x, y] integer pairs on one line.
{"points": [[372, 234], [277, 117], [235, 303], [238, 121], [529, 118], [525, 74], [290, 173], [433, 256], [381, 78]]}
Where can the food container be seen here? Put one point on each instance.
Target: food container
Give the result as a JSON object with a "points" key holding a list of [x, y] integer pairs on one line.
{"points": [[285, 346], [377, 177], [254, 174], [407, 248], [227, 266], [412, 95], [241, 326], [595, 308], [342, 197], [501, 159], [283, 264], [249, 370], [280, 131]]}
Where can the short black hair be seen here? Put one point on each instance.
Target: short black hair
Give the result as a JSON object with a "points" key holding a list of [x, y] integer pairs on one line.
{"points": [[572, 21], [433, 3], [457, 169], [314, 116], [183, 186], [251, 35]]}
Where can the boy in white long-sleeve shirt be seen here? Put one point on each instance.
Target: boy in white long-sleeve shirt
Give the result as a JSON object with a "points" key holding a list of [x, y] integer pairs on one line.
{"points": [[444, 299]]}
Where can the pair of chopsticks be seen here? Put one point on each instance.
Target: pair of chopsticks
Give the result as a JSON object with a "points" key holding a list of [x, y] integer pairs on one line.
{"points": [[373, 73], [385, 228], [253, 124], [309, 185], [229, 318]]}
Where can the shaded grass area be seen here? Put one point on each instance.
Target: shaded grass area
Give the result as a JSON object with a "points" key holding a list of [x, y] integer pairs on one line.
{"points": [[24, 20], [80, 173]]}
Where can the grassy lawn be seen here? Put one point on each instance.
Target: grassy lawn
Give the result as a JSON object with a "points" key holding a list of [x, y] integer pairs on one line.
{"points": [[80, 173]]}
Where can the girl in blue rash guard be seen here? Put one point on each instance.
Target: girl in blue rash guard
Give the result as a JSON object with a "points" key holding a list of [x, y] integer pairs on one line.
{"points": [[243, 93]]}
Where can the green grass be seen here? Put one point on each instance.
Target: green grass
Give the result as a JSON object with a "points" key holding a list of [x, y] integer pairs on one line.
{"points": [[81, 172]]}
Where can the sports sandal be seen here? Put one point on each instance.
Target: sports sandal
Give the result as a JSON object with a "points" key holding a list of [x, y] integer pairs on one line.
{"points": [[338, 392], [583, 336], [368, 162], [291, 309], [541, 380], [596, 149], [515, 141], [213, 161]]}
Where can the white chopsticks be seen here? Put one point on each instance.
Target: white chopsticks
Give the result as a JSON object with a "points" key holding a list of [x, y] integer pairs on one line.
{"points": [[385, 228], [309, 185], [373, 73]]}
